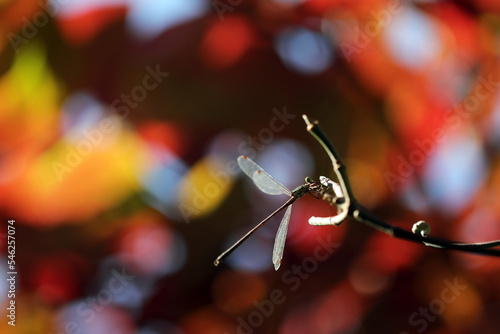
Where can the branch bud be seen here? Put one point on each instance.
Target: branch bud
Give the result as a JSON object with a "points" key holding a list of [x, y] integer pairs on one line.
{"points": [[421, 228]]}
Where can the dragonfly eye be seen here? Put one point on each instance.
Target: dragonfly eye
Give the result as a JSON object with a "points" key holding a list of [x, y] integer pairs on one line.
{"points": [[309, 179]]}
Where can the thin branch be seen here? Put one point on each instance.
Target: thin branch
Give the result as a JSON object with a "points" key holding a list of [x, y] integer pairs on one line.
{"points": [[351, 208], [338, 168]]}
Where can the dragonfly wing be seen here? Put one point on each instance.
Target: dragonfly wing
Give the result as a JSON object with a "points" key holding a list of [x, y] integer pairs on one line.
{"points": [[262, 179], [279, 242]]}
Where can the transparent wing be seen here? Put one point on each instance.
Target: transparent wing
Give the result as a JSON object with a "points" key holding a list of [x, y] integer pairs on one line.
{"points": [[265, 182], [279, 242]]}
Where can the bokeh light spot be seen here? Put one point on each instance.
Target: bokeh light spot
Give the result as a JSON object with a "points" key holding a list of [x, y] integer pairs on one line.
{"points": [[412, 39], [148, 18], [203, 188], [304, 51], [226, 42], [151, 249], [54, 280], [454, 172], [108, 320]]}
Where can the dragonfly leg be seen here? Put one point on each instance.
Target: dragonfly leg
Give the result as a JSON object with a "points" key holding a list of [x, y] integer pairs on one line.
{"points": [[337, 189]]}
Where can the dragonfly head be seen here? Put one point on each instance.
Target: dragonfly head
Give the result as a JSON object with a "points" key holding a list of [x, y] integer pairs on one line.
{"points": [[311, 184]]}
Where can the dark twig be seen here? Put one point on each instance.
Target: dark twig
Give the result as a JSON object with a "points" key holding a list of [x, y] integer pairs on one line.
{"points": [[351, 208]]}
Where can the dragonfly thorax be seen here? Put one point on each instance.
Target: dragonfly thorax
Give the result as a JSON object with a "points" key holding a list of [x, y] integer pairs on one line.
{"points": [[301, 190]]}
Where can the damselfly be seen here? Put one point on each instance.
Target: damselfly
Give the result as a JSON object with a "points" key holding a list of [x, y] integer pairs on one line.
{"points": [[267, 184]]}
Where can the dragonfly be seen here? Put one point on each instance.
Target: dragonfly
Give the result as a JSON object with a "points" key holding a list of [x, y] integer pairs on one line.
{"points": [[269, 185]]}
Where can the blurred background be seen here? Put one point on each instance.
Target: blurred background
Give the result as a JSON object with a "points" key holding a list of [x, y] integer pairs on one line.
{"points": [[120, 125]]}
